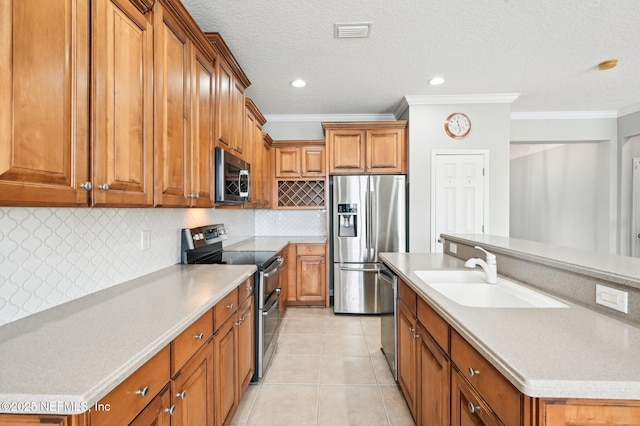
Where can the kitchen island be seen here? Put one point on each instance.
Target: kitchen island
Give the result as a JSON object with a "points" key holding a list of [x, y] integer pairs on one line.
{"points": [[548, 354]]}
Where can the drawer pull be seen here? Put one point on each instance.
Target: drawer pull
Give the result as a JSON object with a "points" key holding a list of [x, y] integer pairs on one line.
{"points": [[473, 408], [143, 392], [199, 336], [182, 395], [473, 372], [230, 306], [171, 410]]}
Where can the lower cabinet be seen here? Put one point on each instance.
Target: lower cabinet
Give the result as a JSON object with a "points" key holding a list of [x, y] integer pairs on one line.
{"points": [[158, 412], [467, 407], [433, 388], [40, 419], [307, 283], [225, 372], [192, 390], [246, 345], [407, 366]]}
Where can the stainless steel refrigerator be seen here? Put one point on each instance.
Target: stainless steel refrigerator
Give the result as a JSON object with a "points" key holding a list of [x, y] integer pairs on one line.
{"points": [[368, 217]]}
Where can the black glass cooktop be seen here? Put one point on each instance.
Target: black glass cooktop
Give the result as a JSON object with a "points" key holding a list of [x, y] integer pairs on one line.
{"points": [[261, 259]]}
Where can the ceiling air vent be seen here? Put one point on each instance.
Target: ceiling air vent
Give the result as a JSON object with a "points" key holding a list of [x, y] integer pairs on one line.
{"points": [[360, 30]]}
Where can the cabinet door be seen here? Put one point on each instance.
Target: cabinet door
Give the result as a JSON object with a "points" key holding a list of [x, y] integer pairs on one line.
{"points": [[313, 160], [267, 175], [44, 98], [250, 157], [122, 105], [287, 162], [467, 408], [223, 112], [386, 151], [246, 353], [407, 366], [192, 390], [225, 373], [434, 375], [588, 412], [203, 109], [310, 279], [346, 151], [157, 413], [237, 118], [35, 420], [172, 168]]}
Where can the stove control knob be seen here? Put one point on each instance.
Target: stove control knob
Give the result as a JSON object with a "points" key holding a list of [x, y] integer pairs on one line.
{"points": [[196, 237]]}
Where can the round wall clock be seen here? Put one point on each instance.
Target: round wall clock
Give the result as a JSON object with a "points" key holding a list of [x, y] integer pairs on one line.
{"points": [[457, 125]]}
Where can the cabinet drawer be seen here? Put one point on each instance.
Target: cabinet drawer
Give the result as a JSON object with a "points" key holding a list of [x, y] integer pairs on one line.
{"points": [[434, 324], [190, 340], [310, 249], [407, 294], [467, 407], [245, 290], [224, 309], [504, 399], [132, 395]]}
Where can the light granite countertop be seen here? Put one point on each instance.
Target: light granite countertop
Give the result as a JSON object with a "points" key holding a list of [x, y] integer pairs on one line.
{"points": [[72, 355], [569, 352], [273, 243]]}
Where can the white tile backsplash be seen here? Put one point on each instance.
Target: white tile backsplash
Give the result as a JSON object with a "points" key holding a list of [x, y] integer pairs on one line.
{"points": [[49, 256], [290, 223]]}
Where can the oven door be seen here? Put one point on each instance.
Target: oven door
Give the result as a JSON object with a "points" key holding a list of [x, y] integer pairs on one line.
{"points": [[271, 279], [269, 330]]}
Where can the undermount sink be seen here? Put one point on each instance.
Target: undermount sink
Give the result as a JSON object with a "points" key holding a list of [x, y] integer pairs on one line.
{"points": [[469, 288]]}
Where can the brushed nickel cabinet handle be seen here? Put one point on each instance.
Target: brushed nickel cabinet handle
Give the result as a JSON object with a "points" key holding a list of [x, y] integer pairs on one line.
{"points": [[473, 408], [143, 392], [86, 185], [473, 372], [182, 395], [171, 410], [230, 306], [104, 187], [199, 336]]}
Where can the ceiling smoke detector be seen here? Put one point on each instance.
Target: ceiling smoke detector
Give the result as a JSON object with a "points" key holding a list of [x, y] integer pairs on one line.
{"points": [[359, 30]]}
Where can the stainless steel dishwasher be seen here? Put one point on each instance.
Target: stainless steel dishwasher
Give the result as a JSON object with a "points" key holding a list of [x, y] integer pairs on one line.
{"points": [[388, 297]]}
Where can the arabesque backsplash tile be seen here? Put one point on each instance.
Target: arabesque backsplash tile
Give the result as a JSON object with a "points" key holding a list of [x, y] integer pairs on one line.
{"points": [[290, 222], [49, 256]]}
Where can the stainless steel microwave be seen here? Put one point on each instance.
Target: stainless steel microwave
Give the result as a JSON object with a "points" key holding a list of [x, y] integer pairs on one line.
{"points": [[232, 178]]}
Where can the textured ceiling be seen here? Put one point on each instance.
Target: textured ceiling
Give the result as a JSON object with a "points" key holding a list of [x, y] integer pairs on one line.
{"points": [[546, 50]]}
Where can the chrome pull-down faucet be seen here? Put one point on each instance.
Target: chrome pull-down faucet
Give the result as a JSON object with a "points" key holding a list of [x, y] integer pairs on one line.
{"points": [[490, 267]]}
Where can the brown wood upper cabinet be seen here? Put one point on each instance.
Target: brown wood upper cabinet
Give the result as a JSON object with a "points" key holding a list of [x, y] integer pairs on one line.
{"points": [[44, 99], [367, 147], [230, 108], [299, 159], [184, 107], [255, 152]]}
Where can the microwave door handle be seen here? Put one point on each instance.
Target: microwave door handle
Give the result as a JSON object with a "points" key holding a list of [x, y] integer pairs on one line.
{"points": [[240, 175]]}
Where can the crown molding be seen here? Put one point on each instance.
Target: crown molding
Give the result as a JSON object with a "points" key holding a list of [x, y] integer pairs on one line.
{"points": [[629, 110], [495, 98], [299, 118], [563, 115]]}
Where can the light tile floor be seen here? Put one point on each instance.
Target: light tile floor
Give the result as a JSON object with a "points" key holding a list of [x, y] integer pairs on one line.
{"points": [[328, 370]]}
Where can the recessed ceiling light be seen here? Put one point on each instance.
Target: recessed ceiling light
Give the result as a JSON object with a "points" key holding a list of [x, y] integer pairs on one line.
{"points": [[436, 81], [298, 83]]}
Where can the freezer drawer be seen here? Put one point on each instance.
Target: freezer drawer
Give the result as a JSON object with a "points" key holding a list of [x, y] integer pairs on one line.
{"points": [[356, 288]]}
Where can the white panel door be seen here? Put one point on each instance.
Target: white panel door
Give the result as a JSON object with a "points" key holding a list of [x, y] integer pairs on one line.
{"points": [[635, 210], [459, 196]]}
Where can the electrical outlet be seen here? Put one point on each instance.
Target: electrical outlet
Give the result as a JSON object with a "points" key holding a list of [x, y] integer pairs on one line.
{"points": [[612, 298], [453, 248], [145, 240]]}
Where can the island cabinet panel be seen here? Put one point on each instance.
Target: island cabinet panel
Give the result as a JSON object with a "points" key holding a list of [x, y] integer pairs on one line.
{"points": [[41, 419], [122, 105], [172, 112], [225, 372], [433, 387], [44, 98], [568, 412], [407, 363], [504, 399]]}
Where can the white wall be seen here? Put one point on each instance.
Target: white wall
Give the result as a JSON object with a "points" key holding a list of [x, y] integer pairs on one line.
{"points": [[603, 132], [555, 194], [490, 130]]}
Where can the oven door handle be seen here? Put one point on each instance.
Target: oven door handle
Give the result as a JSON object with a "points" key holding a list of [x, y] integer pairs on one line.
{"points": [[273, 268], [275, 304]]}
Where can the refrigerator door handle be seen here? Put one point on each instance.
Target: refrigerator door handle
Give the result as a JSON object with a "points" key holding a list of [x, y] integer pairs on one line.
{"points": [[373, 235], [344, 268]]}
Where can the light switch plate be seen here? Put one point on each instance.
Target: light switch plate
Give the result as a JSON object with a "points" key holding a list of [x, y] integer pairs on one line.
{"points": [[612, 298], [453, 248], [145, 240]]}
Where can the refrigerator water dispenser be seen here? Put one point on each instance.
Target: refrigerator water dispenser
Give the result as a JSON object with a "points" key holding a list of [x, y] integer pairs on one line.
{"points": [[347, 220]]}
